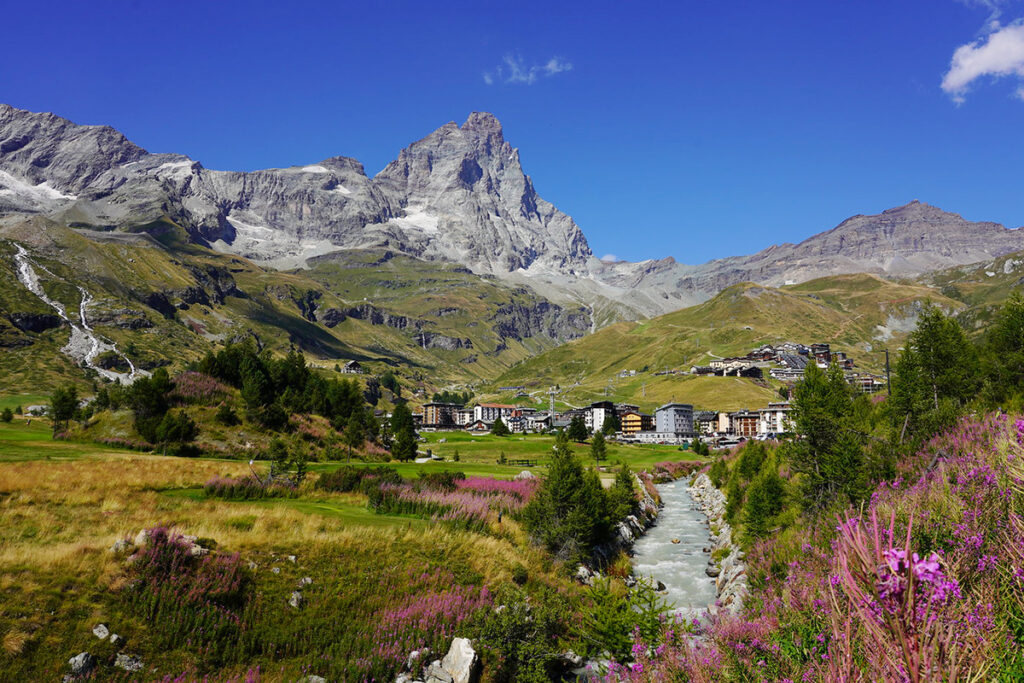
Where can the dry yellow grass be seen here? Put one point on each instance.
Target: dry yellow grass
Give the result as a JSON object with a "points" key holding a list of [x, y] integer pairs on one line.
{"points": [[65, 515]]}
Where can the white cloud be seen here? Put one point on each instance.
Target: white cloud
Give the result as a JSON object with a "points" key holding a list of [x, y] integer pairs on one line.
{"points": [[611, 258], [514, 70], [1001, 53]]}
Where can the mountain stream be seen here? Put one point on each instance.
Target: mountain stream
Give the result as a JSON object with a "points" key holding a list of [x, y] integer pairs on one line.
{"points": [[679, 565], [84, 345]]}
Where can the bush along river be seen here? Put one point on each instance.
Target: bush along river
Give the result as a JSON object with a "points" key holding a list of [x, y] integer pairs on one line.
{"points": [[690, 550]]}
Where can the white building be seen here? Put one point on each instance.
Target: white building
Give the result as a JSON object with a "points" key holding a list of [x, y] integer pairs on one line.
{"points": [[597, 413], [489, 412], [775, 419], [674, 418]]}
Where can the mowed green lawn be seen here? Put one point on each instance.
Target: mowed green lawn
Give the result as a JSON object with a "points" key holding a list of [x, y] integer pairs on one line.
{"points": [[485, 449], [32, 439], [23, 400]]}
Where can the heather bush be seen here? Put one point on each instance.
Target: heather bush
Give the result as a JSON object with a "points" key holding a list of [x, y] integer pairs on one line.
{"points": [[462, 507], [197, 388], [178, 592]]}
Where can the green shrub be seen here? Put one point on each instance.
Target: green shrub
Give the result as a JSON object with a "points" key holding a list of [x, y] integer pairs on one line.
{"points": [[517, 639], [765, 498], [519, 575], [226, 416], [444, 481], [718, 473], [612, 616]]}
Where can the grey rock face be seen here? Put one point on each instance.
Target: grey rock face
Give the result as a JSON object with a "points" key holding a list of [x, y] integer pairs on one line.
{"points": [[34, 322], [460, 195], [462, 190], [517, 321], [45, 148]]}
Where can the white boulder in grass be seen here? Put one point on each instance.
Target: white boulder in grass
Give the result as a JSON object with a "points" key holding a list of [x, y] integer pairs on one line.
{"points": [[101, 631], [461, 661]]}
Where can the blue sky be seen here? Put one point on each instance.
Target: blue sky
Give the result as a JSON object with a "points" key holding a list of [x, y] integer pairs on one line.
{"points": [[693, 129]]}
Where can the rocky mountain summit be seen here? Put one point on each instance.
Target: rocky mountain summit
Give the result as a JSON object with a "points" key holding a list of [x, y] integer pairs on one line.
{"points": [[458, 195]]}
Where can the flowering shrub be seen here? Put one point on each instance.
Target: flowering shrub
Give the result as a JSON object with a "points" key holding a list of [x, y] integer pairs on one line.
{"points": [[668, 470], [521, 488], [197, 388], [465, 506], [176, 591]]}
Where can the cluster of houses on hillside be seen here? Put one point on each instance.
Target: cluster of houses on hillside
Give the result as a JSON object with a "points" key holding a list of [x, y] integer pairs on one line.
{"points": [[787, 362], [672, 423]]}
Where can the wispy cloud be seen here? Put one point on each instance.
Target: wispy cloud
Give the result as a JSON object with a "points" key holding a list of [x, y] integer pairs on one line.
{"points": [[515, 70], [999, 53], [610, 258]]}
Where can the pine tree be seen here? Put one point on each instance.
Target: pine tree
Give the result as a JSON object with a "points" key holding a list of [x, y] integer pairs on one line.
{"points": [[569, 513], [499, 428], [830, 453], [1003, 361], [611, 424], [577, 429], [63, 404], [403, 432], [765, 498], [622, 500], [355, 433], [935, 376]]}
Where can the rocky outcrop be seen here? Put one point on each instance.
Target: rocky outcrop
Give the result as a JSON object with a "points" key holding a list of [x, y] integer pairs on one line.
{"points": [[217, 283], [518, 321], [730, 573], [45, 148], [374, 316], [82, 665], [123, 318], [435, 340], [35, 322], [159, 302]]}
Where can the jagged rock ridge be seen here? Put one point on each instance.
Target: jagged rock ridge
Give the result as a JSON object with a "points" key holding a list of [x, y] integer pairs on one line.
{"points": [[458, 195]]}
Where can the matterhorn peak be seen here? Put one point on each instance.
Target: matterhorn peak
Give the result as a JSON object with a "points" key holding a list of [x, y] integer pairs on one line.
{"points": [[483, 123]]}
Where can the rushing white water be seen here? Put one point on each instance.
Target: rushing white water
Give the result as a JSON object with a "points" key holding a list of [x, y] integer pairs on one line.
{"points": [[680, 566], [84, 345]]}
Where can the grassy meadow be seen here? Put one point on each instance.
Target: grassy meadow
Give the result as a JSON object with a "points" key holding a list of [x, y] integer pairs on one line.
{"points": [[63, 506]]}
